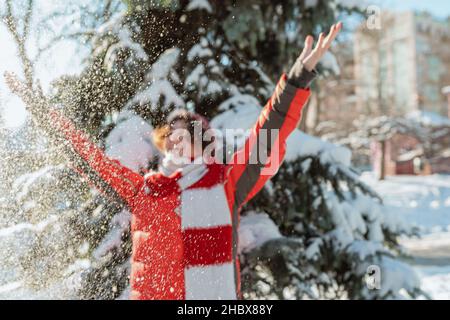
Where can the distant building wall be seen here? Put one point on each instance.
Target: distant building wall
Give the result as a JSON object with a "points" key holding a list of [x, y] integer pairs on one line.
{"points": [[385, 68], [446, 92], [403, 66], [433, 62]]}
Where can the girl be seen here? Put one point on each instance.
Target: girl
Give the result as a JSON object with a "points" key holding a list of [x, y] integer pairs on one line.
{"points": [[185, 218]]}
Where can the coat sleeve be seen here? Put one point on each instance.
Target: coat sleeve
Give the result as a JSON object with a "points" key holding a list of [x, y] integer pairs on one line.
{"points": [[261, 156], [107, 175]]}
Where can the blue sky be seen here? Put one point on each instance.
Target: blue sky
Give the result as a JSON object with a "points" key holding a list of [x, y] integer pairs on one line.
{"points": [[64, 58], [439, 8]]}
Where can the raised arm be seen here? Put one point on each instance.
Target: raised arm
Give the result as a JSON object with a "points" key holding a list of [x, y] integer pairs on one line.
{"points": [[107, 175], [259, 159]]}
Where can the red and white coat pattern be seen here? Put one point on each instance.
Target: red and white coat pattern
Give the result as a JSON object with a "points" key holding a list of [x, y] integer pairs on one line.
{"points": [[184, 225]]}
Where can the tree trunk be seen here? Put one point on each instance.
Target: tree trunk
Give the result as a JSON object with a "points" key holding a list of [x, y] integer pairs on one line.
{"points": [[383, 160]]}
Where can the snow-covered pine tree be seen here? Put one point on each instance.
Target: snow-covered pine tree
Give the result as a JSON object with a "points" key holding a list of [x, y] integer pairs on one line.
{"points": [[315, 228], [325, 227]]}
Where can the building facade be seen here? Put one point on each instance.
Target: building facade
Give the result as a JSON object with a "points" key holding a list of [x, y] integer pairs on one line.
{"points": [[403, 66]]}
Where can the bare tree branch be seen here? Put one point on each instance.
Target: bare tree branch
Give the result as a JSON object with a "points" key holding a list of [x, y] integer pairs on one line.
{"points": [[27, 19], [54, 41], [107, 10], [97, 16], [20, 39]]}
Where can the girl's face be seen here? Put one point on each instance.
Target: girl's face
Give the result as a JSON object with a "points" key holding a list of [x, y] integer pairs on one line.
{"points": [[172, 141], [179, 142]]}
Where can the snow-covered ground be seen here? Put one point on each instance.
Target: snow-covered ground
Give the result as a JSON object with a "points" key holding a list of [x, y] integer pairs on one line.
{"points": [[424, 202]]}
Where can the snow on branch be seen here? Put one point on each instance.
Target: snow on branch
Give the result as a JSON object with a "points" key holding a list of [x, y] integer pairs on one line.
{"points": [[123, 40], [243, 111], [159, 83], [255, 229], [130, 141], [199, 5], [428, 119]]}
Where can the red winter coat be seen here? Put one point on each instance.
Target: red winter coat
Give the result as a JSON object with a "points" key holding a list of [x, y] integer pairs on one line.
{"points": [[185, 240]]}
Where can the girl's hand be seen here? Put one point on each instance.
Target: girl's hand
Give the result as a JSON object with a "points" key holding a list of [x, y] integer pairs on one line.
{"points": [[310, 57], [35, 100]]}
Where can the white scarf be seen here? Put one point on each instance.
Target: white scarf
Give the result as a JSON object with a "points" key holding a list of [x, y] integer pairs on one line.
{"points": [[191, 171]]}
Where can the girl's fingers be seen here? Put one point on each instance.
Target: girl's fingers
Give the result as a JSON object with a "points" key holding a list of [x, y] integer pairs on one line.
{"points": [[311, 57], [309, 41], [337, 29], [330, 34], [18, 87], [12, 82], [334, 31], [304, 52], [330, 38], [319, 45]]}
